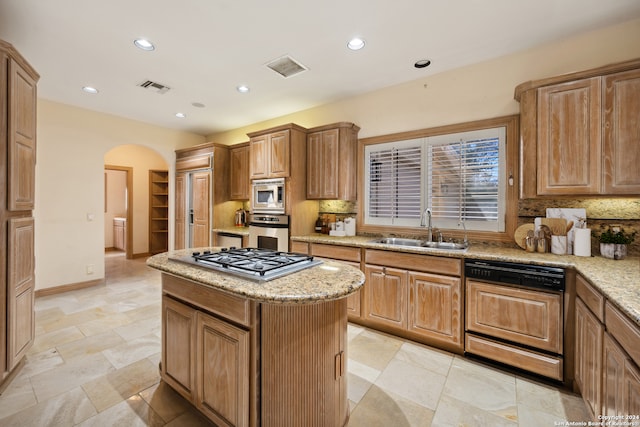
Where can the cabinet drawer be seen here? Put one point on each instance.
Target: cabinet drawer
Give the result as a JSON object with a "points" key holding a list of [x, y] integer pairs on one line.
{"points": [[299, 247], [522, 316], [228, 306], [344, 253], [415, 262], [591, 297], [624, 331], [532, 361]]}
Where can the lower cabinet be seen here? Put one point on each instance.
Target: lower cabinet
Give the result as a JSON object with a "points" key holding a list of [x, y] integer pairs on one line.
{"points": [[425, 306], [206, 360], [607, 350]]}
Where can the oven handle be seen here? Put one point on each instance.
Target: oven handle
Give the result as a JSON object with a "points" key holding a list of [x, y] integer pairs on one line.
{"points": [[261, 225]]}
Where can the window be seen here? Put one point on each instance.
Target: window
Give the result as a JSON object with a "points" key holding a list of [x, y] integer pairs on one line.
{"points": [[458, 176]]}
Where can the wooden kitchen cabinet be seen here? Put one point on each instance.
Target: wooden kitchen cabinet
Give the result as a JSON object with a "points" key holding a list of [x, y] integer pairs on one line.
{"points": [[332, 162], [621, 140], [18, 100], [269, 155], [420, 297], [222, 371], [178, 367], [588, 354], [240, 184], [578, 132], [569, 138], [386, 296]]}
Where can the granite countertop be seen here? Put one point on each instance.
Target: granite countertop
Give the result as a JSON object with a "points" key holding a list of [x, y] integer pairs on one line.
{"points": [[328, 281], [618, 280], [240, 231]]}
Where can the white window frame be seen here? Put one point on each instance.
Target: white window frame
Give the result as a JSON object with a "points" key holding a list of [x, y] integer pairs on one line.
{"points": [[425, 142]]}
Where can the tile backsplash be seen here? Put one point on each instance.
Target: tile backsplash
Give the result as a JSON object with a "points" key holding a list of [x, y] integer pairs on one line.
{"points": [[601, 212]]}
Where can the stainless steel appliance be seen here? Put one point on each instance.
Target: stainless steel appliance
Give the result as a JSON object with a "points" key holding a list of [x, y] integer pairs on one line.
{"points": [[269, 231], [268, 196], [515, 315], [251, 263]]}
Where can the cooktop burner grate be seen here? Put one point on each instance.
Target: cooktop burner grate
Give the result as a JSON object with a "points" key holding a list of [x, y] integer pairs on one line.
{"points": [[254, 263]]}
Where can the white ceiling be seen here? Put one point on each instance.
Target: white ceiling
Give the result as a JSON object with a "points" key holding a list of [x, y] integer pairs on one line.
{"points": [[205, 48]]}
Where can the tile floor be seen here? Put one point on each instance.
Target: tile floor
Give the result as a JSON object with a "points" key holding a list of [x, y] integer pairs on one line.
{"points": [[95, 363]]}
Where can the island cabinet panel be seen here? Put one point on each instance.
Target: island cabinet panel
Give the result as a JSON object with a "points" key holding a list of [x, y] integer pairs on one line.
{"points": [[178, 346], [386, 296], [435, 306], [295, 338], [222, 371], [614, 360]]}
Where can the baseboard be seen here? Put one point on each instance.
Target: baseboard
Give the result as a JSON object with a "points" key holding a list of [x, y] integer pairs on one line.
{"points": [[142, 255], [66, 288]]}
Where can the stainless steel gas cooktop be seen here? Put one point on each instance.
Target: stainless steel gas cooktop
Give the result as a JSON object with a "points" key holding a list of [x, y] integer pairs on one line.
{"points": [[251, 263]]}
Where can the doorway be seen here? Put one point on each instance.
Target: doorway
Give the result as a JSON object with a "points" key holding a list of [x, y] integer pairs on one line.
{"points": [[118, 208]]}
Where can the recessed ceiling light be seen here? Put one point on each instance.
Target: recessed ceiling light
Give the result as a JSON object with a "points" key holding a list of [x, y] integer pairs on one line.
{"points": [[355, 43], [90, 89], [423, 63], [243, 88], [181, 115], [144, 44]]}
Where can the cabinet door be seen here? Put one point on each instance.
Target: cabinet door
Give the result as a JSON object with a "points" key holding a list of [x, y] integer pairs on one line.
{"points": [[259, 157], [181, 210], [435, 307], [588, 357], [322, 164], [239, 172], [22, 139], [613, 362], [386, 296], [621, 135], [178, 346], [631, 390], [222, 371], [279, 156], [569, 138], [20, 288], [201, 194]]}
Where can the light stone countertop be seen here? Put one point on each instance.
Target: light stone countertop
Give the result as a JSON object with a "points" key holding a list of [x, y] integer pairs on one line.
{"points": [[618, 280], [328, 281], [240, 231]]}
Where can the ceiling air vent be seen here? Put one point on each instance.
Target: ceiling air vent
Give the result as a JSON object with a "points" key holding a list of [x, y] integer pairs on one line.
{"points": [[286, 66], [156, 87]]}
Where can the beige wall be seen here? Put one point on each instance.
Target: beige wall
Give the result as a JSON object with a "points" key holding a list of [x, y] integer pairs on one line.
{"points": [[72, 144], [474, 92]]}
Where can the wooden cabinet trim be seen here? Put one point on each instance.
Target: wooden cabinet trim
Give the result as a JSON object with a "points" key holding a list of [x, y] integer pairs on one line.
{"points": [[229, 306], [191, 163], [593, 299], [623, 330], [345, 253], [415, 262]]}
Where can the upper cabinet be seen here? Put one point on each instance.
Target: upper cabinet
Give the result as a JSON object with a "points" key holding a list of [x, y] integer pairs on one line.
{"points": [[239, 172], [270, 151], [579, 133], [331, 162]]}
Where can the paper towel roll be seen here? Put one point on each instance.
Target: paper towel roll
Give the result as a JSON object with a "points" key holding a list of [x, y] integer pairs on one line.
{"points": [[582, 242]]}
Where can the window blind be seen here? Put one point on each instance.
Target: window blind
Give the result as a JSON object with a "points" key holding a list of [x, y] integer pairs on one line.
{"points": [[395, 178]]}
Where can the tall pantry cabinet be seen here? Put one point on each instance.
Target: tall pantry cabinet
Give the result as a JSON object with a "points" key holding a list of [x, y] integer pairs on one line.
{"points": [[17, 192]]}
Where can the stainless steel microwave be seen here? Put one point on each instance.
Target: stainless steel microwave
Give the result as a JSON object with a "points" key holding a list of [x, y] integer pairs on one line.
{"points": [[268, 196]]}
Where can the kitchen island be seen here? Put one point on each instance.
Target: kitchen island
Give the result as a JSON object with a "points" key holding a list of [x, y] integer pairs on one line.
{"points": [[249, 353]]}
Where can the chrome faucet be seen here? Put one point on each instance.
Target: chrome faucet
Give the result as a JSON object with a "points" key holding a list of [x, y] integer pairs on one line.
{"points": [[466, 238], [427, 215]]}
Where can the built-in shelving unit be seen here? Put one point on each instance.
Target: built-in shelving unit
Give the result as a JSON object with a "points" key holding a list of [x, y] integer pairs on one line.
{"points": [[158, 211]]}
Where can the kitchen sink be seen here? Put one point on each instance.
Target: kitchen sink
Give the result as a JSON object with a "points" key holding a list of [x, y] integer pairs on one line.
{"points": [[396, 241]]}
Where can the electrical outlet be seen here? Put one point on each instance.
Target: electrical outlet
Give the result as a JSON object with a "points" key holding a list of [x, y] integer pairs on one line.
{"points": [[89, 268]]}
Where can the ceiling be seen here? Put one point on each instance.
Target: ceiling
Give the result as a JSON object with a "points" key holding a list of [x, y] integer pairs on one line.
{"points": [[206, 48]]}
